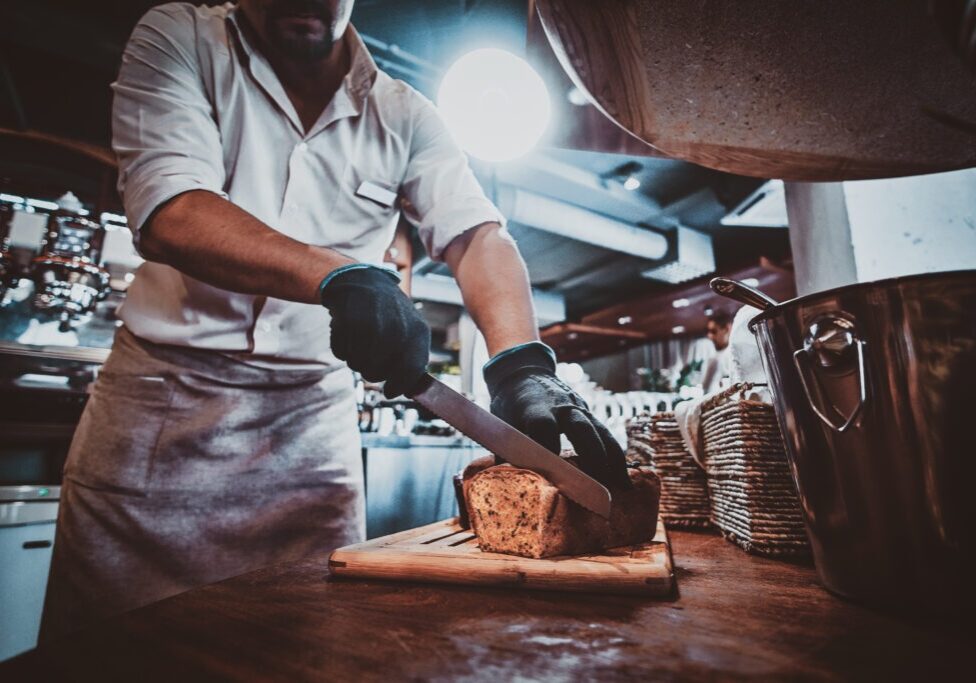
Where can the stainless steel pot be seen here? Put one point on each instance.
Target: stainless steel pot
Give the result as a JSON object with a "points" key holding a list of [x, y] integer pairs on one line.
{"points": [[875, 391]]}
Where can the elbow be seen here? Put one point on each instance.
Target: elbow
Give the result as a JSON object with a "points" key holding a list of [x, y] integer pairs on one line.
{"points": [[151, 247], [159, 238], [474, 240]]}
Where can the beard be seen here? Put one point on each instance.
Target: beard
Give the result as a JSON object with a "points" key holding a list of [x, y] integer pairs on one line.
{"points": [[301, 29]]}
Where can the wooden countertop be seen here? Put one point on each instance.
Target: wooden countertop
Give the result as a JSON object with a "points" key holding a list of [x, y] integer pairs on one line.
{"points": [[737, 617]]}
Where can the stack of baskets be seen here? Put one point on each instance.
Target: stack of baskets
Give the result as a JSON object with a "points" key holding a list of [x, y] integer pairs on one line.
{"points": [[753, 497], [655, 440]]}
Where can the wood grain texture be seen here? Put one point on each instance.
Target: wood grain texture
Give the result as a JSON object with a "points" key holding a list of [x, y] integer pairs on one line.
{"points": [[574, 345], [737, 617], [653, 317], [444, 553], [582, 127], [598, 45], [828, 90], [598, 331]]}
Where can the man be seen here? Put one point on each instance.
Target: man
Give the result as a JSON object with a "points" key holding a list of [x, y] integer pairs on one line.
{"points": [[718, 329], [259, 154]]}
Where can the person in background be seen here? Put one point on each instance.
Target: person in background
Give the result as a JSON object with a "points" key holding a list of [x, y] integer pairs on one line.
{"points": [[717, 368], [263, 161]]}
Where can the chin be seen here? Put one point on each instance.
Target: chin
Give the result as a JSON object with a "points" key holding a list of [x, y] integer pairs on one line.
{"points": [[301, 37], [303, 47]]}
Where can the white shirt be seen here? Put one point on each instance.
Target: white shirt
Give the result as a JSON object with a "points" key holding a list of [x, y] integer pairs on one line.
{"points": [[197, 107], [717, 369]]}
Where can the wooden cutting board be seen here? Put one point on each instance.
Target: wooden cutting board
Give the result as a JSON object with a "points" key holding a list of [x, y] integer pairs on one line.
{"points": [[444, 553], [814, 90]]}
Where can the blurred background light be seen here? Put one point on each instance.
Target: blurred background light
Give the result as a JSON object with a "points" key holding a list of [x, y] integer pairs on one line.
{"points": [[495, 104], [577, 97]]}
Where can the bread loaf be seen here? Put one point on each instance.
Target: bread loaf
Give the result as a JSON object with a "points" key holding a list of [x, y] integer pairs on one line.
{"points": [[519, 512]]}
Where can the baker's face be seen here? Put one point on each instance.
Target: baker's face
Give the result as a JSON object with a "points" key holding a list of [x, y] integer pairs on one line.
{"points": [[299, 29], [719, 334]]}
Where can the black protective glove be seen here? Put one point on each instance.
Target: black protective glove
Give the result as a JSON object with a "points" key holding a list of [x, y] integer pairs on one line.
{"points": [[526, 393], [375, 327]]}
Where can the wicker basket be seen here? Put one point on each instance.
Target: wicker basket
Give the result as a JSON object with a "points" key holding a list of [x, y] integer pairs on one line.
{"points": [[654, 440], [753, 496]]}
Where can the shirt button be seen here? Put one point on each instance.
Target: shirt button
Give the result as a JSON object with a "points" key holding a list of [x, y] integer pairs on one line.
{"points": [[302, 146], [264, 327]]}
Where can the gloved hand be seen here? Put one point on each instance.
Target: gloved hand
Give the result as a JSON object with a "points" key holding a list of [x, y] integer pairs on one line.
{"points": [[526, 393], [375, 327]]}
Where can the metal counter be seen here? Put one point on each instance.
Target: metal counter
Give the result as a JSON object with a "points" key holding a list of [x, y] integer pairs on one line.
{"points": [[409, 479]]}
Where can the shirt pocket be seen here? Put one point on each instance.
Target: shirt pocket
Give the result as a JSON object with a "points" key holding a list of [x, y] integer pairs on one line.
{"points": [[118, 433], [365, 215]]}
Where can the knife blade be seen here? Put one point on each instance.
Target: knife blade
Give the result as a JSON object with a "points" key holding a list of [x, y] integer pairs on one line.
{"points": [[510, 444]]}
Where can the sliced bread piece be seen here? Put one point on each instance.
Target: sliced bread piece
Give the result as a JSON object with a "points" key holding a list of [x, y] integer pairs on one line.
{"points": [[519, 512]]}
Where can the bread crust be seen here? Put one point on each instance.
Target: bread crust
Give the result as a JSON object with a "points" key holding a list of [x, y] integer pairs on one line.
{"points": [[519, 512]]}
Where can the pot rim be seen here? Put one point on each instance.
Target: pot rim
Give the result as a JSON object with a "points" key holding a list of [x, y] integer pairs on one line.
{"points": [[778, 309]]}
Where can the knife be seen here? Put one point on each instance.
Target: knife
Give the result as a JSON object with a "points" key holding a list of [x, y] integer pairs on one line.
{"points": [[510, 444]]}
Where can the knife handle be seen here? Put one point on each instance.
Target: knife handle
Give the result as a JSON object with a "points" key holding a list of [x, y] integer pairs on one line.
{"points": [[422, 384]]}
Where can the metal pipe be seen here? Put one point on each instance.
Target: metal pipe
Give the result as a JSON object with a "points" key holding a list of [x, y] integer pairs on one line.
{"points": [[400, 53], [583, 225], [550, 307], [390, 65]]}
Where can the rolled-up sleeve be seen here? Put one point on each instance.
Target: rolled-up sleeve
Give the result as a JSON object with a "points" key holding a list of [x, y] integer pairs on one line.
{"points": [[163, 128], [445, 197]]}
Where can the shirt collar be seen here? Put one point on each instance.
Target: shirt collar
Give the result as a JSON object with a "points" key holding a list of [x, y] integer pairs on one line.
{"points": [[362, 70], [349, 100]]}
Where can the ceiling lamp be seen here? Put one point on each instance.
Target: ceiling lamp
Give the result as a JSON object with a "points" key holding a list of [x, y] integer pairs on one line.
{"points": [[495, 104], [626, 174]]}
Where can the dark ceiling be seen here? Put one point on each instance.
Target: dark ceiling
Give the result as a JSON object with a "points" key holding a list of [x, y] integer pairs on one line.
{"points": [[57, 58], [591, 277]]}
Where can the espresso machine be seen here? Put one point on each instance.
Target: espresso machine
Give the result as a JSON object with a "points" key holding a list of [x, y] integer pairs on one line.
{"points": [[68, 280], [6, 263]]}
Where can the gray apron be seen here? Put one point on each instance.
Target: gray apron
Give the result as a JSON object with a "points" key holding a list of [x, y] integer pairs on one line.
{"points": [[189, 467]]}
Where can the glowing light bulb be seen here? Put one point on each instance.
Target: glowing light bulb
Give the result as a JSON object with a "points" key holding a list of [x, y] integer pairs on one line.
{"points": [[495, 104]]}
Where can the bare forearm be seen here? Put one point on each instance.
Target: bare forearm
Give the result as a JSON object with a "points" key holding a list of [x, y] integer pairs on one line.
{"points": [[495, 286], [214, 241]]}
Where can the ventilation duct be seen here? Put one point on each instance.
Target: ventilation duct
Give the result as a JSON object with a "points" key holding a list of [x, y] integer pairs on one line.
{"points": [[764, 208], [559, 218], [696, 258]]}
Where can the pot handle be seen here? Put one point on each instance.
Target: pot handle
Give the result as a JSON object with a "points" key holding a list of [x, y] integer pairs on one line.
{"points": [[741, 292], [801, 359]]}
